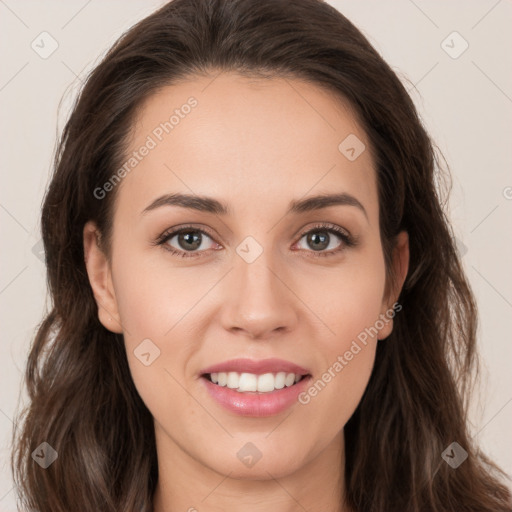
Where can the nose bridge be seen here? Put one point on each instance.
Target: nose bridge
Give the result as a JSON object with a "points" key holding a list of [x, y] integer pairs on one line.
{"points": [[259, 301]]}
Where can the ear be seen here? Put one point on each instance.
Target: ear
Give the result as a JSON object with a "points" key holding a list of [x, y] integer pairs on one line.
{"points": [[100, 278], [400, 267]]}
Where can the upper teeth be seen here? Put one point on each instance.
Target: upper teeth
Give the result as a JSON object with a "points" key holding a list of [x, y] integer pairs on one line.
{"points": [[251, 382]]}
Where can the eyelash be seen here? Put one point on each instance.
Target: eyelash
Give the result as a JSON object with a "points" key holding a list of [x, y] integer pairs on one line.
{"points": [[348, 240]]}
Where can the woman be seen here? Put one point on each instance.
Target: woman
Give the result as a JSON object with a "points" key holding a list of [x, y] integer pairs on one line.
{"points": [[257, 300]]}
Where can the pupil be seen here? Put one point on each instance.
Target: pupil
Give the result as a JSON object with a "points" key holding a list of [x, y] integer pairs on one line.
{"points": [[315, 237]]}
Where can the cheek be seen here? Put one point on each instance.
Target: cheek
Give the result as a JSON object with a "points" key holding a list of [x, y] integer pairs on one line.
{"points": [[347, 363], [348, 299], [152, 297], [160, 309], [350, 308]]}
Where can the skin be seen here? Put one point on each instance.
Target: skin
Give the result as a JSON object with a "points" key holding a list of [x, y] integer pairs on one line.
{"points": [[255, 145]]}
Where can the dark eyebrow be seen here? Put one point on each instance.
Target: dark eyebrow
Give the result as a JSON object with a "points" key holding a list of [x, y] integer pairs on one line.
{"points": [[200, 203], [324, 201], [210, 205]]}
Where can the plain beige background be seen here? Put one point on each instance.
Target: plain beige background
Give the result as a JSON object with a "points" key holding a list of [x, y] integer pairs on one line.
{"points": [[464, 97]]}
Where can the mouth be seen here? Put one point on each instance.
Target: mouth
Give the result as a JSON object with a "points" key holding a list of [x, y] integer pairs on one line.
{"points": [[252, 383], [255, 395]]}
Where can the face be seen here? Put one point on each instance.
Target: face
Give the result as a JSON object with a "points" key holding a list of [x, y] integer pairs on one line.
{"points": [[275, 276]]}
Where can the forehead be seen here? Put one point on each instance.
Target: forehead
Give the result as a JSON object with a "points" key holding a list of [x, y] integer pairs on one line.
{"points": [[248, 141]]}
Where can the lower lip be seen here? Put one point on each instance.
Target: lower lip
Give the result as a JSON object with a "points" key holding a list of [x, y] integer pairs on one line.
{"points": [[256, 404]]}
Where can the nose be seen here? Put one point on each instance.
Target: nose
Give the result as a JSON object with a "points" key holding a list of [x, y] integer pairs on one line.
{"points": [[259, 300]]}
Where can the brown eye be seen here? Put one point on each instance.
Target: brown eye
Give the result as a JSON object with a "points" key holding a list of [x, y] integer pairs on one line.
{"points": [[186, 242], [327, 240], [189, 240], [318, 242]]}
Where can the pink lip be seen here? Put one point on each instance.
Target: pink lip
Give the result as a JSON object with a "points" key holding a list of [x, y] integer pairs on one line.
{"points": [[256, 367], [253, 403]]}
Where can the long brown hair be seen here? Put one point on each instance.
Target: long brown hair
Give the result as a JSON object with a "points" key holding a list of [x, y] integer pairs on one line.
{"points": [[83, 401]]}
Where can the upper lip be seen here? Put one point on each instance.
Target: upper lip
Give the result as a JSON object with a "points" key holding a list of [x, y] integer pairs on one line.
{"points": [[256, 367]]}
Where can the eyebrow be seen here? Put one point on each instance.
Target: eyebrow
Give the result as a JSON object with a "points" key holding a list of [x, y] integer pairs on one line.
{"points": [[211, 205]]}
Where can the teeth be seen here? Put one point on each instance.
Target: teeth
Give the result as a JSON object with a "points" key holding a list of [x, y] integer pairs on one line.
{"points": [[265, 383], [279, 380], [246, 382]]}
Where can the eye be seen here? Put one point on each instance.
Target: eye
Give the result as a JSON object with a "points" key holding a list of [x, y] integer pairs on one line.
{"points": [[192, 242], [321, 238], [186, 242]]}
